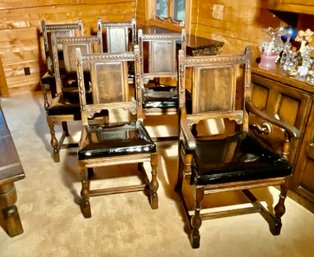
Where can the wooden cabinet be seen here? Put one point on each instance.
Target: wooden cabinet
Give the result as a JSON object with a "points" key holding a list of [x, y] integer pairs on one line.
{"points": [[303, 182], [299, 6], [292, 101]]}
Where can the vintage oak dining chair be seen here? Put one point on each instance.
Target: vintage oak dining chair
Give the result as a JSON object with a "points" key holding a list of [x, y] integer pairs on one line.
{"points": [[237, 156], [119, 36], [117, 141], [48, 81], [159, 61], [65, 106]]}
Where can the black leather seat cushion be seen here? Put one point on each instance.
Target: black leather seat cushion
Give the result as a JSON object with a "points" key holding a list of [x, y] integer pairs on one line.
{"points": [[68, 103], [240, 157], [63, 106], [160, 97], [122, 139], [48, 79]]}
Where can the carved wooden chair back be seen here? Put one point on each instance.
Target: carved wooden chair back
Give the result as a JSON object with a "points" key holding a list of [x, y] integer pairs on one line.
{"points": [[220, 85], [60, 30], [159, 59], [69, 45], [109, 83], [120, 36]]}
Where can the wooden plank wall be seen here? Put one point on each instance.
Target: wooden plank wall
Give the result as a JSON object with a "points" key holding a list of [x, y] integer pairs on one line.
{"points": [[19, 53], [20, 38], [235, 22], [140, 12], [4, 92], [239, 23]]}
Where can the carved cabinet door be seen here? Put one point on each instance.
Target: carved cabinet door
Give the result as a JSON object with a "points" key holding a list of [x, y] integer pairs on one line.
{"points": [[284, 102], [303, 181]]}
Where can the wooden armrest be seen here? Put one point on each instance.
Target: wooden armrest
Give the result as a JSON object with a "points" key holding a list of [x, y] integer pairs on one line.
{"points": [[189, 140], [292, 131]]}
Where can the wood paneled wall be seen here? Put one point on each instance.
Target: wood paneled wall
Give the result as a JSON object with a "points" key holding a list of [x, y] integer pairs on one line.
{"points": [[20, 39], [235, 22], [19, 52]]}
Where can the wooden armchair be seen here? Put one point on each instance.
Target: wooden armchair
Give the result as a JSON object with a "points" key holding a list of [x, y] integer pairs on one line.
{"points": [[235, 155], [115, 141], [65, 106], [159, 61]]}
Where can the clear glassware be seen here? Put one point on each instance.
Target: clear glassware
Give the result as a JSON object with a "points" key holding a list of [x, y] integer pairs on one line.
{"points": [[271, 48]]}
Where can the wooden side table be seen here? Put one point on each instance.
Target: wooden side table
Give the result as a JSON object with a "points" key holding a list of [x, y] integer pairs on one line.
{"points": [[11, 170]]}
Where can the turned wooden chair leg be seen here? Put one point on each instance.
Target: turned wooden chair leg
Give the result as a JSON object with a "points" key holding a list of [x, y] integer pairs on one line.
{"points": [[85, 204], [280, 209], [54, 142], [45, 96], [153, 185], [11, 216], [178, 186], [184, 169], [196, 220]]}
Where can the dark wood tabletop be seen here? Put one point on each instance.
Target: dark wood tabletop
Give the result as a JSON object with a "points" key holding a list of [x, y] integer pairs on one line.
{"points": [[10, 170], [10, 164], [195, 45]]}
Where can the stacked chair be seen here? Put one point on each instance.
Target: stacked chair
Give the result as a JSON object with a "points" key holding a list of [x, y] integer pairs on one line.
{"points": [[115, 141], [239, 156]]}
